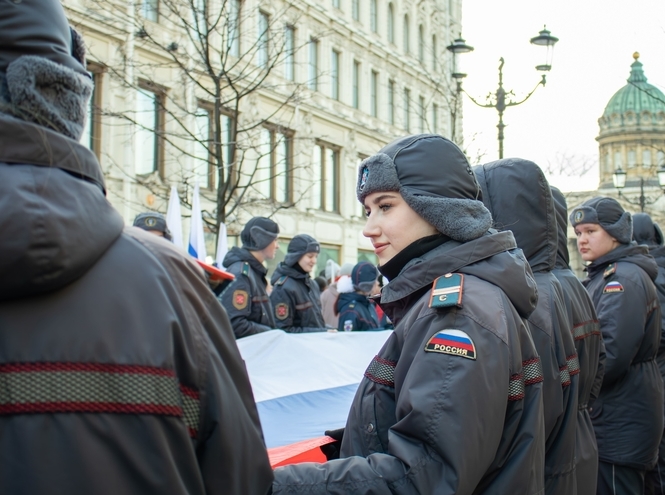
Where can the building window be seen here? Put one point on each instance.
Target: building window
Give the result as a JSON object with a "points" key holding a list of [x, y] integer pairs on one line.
{"points": [[632, 158], [434, 54], [435, 118], [334, 75], [92, 133], [355, 9], [264, 39], [617, 159], [233, 28], [374, 93], [391, 23], [325, 178], [421, 44], [421, 111], [272, 178], [203, 163], [391, 102], [407, 110], [312, 83], [335, 3], [289, 53], [660, 157], [327, 252], [149, 9], [356, 84], [373, 16], [646, 158], [148, 127], [407, 46]]}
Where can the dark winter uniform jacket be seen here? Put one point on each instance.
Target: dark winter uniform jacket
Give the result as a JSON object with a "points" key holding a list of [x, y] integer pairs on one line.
{"points": [[246, 299], [628, 414], [589, 347], [509, 192], [119, 372], [356, 313], [452, 402], [296, 301]]}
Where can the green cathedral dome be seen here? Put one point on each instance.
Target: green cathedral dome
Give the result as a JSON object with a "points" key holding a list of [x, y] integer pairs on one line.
{"points": [[638, 106]]}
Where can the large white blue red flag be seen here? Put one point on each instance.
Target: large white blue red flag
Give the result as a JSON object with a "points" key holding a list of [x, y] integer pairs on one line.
{"points": [[304, 383], [174, 217], [197, 246]]}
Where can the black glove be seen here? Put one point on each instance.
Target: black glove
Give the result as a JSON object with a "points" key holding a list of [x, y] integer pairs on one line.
{"points": [[331, 450]]}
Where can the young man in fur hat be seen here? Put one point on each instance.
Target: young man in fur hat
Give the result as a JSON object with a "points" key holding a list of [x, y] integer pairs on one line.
{"points": [[119, 372], [246, 299]]}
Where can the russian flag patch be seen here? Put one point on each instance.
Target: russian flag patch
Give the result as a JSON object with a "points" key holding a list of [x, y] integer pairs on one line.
{"points": [[613, 287], [455, 342]]}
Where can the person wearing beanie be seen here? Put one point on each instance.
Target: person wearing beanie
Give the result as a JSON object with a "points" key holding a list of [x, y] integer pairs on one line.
{"points": [[452, 403], [295, 296], [627, 416], [648, 233], [155, 223], [119, 372], [589, 347], [356, 312], [330, 295], [517, 194], [246, 300]]}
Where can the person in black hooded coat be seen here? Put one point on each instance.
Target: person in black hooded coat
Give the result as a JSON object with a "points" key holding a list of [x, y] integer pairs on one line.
{"points": [[590, 352], [628, 414], [648, 233], [519, 198]]}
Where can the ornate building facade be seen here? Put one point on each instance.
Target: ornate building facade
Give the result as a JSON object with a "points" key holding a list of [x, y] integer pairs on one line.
{"points": [[347, 77]]}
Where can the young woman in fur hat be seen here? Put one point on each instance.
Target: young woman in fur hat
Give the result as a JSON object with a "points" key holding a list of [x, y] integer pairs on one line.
{"points": [[452, 403], [628, 412]]}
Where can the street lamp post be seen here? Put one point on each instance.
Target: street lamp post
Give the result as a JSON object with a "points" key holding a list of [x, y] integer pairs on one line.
{"points": [[500, 100], [619, 180]]}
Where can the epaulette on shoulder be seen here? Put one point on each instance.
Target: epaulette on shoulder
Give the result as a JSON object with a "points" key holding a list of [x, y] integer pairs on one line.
{"points": [[447, 291], [281, 280], [610, 270]]}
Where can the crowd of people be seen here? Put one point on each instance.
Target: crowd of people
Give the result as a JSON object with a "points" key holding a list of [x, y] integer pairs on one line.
{"points": [[504, 374]]}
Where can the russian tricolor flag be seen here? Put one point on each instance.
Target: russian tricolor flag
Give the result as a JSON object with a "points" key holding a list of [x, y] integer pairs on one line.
{"points": [[304, 383], [197, 245]]}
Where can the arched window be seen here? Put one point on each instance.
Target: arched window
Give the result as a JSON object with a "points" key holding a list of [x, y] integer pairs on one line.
{"points": [[407, 47], [391, 23], [421, 43]]}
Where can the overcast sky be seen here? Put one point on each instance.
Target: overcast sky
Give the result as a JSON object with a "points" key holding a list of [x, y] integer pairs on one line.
{"points": [[559, 123]]}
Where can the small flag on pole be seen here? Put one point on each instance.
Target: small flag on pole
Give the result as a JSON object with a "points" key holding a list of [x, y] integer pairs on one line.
{"points": [[174, 217], [197, 246], [222, 245]]}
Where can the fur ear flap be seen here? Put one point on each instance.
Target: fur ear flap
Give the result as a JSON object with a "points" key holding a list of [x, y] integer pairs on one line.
{"points": [[48, 94]]}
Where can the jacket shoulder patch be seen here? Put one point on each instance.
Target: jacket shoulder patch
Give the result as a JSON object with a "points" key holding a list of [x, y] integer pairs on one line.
{"points": [[281, 280], [613, 287], [348, 325], [282, 311], [240, 299], [451, 341], [610, 270], [447, 291]]}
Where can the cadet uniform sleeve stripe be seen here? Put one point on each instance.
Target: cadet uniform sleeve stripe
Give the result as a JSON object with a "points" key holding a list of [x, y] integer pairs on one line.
{"points": [[532, 372], [50, 388], [573, 365], [652, 306], [585, 329], [564, 375], [381, 371]]}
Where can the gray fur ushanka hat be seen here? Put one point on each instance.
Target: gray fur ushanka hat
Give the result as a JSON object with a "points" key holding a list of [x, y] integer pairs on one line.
{"points": [[608, 213], [435, 179]]}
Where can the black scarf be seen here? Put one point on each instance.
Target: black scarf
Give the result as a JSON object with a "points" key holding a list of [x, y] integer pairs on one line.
{"points": [[414, 250]]}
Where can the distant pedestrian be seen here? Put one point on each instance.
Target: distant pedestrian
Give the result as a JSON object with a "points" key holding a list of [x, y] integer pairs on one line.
{"points": [[329, 296], [356, 311], [155, 223], [295, 295]]}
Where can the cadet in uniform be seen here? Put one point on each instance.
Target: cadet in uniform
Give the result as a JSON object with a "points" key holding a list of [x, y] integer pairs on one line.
{"points": [[646, 232], [155, 223], [356, 312], [295, 297], [246, 300], [589, 347], [529, 214], [452, 403], [628, 414]]}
